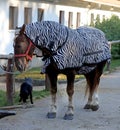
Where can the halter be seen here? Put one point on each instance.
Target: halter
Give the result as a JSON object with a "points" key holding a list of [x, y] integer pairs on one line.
{"points": [[27, 52]]}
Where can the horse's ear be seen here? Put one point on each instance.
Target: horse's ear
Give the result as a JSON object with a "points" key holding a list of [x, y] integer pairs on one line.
{"points": [[22, 29]]}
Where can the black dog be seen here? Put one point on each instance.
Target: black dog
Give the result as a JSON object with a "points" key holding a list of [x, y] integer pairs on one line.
{"points": [[26, 90]]}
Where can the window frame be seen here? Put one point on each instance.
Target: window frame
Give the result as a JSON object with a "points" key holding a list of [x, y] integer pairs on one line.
{"points": [[27, 15], [70, 20], [40, 14], [61, 17], [13, 17]]}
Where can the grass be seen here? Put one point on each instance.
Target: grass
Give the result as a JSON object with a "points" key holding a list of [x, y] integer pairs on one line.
{"points": [[35, 74], [40, 94], [3, 101], [114, 64], [36, 95]]}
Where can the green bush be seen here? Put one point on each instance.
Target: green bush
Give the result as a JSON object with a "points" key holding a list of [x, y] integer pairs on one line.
{"points": [[115, 51], [111, 28]]}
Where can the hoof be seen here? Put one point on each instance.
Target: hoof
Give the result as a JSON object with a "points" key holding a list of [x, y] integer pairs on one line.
{"points": [[51, 115], [87, 106], [94, 108], [68, 117]]}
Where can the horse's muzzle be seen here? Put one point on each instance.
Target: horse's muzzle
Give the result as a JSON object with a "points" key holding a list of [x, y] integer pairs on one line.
{"points": [[20, 66]]}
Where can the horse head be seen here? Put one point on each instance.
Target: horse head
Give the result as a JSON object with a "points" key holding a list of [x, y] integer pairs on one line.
{"points": [[23, 50]]}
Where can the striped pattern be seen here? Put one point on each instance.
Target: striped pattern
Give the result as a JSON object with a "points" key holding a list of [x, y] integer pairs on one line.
{"points": [[71, 48]]}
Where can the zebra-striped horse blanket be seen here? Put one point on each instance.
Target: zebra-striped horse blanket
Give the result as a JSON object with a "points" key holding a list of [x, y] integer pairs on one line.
{"points": [[71, 48]]}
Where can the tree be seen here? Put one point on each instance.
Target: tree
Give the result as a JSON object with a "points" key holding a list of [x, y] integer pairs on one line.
{"points": [[111, 28]]}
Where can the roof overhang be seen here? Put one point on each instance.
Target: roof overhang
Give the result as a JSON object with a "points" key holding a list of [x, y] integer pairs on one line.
{"points": [[111, 5]]}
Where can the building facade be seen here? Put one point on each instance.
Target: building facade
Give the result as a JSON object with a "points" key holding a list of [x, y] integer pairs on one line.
{"points": [[71, 13]]}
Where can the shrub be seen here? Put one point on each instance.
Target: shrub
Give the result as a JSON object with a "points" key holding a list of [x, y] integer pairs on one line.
{"points": [[111, 28]]}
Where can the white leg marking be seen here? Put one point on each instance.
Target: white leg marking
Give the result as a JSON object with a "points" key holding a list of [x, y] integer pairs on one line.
{"points": [[53, 107], [70, 106], [95, 98]]}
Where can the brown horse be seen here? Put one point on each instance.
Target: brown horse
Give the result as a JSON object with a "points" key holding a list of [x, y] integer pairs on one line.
{"points": [[23, 50]]}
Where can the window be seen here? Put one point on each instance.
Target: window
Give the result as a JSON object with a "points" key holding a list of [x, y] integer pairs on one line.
{"points": [[40, 14], [61, 17], [78, 20], [103, 17], [92, 20], [27, 15], [13, 17], [70, 20], [97, 21]]}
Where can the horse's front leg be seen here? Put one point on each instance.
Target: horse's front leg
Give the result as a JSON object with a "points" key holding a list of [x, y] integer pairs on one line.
{"points": [[53, 108], [70, 91]]}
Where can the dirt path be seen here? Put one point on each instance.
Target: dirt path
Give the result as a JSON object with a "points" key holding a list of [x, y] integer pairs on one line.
{"points": [[106, 118]]}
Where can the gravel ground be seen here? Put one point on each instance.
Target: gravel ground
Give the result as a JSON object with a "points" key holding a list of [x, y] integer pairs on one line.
{"points": [[106, 118]]}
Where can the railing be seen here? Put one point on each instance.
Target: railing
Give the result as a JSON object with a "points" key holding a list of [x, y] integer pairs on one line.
{"points": [[113, 42], [10, 56]]}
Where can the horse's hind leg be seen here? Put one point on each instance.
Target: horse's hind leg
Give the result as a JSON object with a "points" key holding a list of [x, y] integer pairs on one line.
{"points": [[70, 90], [93, 79], [53, 108], [93, 101]]}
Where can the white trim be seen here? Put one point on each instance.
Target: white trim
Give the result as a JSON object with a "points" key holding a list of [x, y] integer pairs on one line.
{"points": [[104, 3]]}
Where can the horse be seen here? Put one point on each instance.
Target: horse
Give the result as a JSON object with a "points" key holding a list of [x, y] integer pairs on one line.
{"points": [[84, 50]]}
